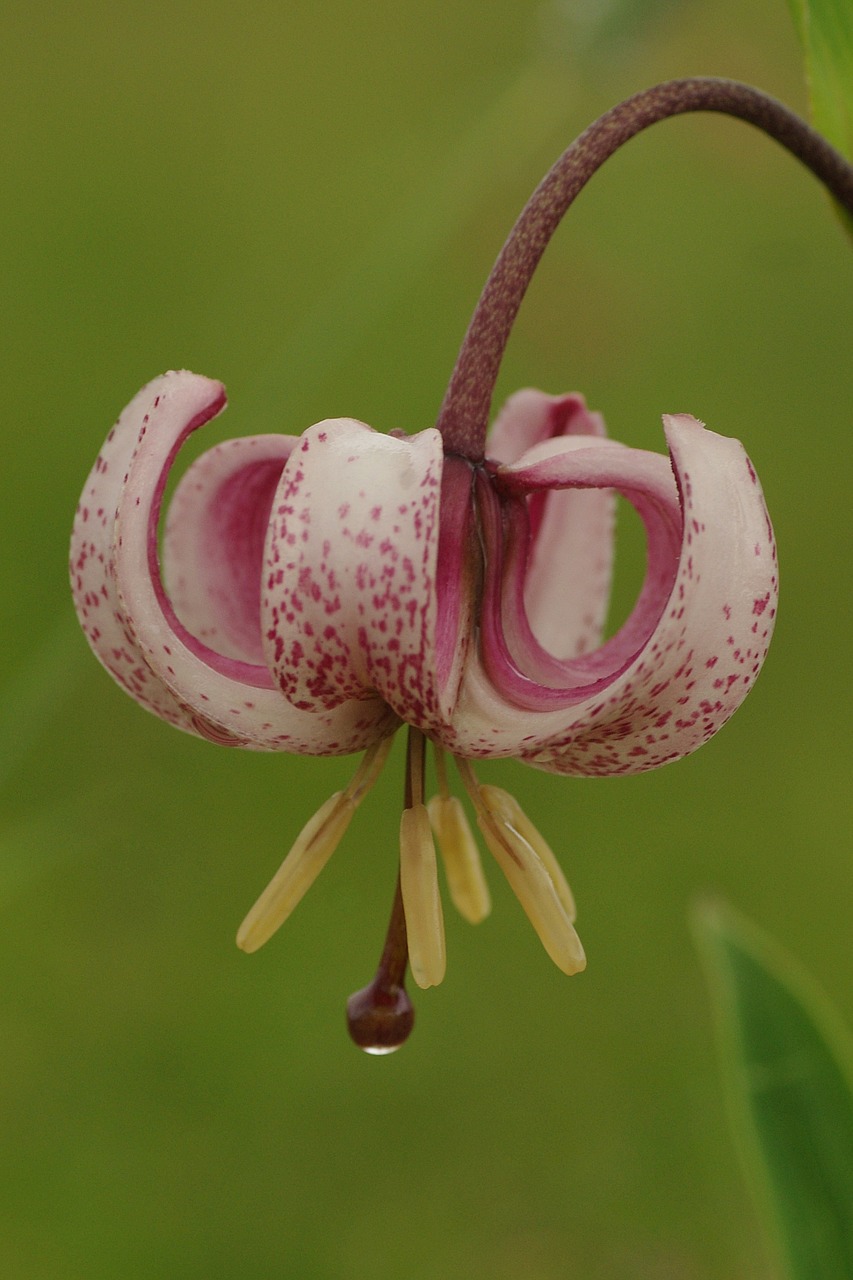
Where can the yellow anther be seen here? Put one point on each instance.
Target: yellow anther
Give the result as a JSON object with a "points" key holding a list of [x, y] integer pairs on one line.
{"points": [[421, 899], [311, 850], [515, 817], [528, 863], [461, 858]]}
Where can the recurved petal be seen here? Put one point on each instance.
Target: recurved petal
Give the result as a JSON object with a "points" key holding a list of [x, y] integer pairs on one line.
{"points": [[572, 527], [349, 606], [526, 673], [128, 618], [213, 548], [92, 563], [696, 664], [531, 417], [705, 653]]}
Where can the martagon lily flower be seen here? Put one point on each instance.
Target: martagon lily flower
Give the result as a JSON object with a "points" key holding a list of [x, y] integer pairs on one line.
{"points": [[319, 591]]}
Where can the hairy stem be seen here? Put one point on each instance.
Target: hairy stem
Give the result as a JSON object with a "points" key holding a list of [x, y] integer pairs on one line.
{"points": [[463, 417]]}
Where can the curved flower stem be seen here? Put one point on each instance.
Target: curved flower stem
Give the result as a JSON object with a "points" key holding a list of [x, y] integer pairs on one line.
{"points": [[463, 417]]}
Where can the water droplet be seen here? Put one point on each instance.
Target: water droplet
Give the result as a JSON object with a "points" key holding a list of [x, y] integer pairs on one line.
{"points": [[380, 1018]]}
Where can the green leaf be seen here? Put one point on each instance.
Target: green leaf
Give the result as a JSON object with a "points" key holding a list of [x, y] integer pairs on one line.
{"points": [[825, 28], [787, 1063]]}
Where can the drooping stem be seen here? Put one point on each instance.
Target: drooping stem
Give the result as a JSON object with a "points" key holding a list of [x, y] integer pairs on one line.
{"points": [[464, 413]]}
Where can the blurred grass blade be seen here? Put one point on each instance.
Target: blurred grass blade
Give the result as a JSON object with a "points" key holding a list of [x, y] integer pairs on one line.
{"points": [[787, 1062], [825, 28]]}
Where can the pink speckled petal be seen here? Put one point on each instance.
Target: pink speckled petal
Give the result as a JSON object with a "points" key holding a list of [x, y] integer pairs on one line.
{"points": [[701, 658], [213, 548], [350, 605], [526, 673], [457, 573], [129, 620], [101, 613], [573, 527], [709, 646]]}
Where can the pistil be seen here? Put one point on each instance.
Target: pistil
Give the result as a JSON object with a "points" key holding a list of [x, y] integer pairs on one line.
{"points": [[380, 1017]]}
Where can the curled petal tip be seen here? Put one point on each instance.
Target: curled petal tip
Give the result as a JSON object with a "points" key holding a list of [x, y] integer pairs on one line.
{"points": [[192, 661]]}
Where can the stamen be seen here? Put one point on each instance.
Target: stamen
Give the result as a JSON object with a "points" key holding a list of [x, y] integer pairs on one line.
{"points": [[421, 898], [519, 821], [458, 849], [461, 858], [369, 770], [311, 850], [528, 872], [419, 874]]}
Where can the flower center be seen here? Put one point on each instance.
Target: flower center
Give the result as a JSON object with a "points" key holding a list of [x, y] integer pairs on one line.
{"points": [[380, 1016]]}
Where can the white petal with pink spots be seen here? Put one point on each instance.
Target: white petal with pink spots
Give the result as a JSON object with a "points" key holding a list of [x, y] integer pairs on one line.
{"points": [[129, 619], [349, 603]]}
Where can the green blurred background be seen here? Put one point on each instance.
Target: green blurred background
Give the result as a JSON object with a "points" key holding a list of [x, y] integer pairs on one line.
{"points": [[304, 200]]}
